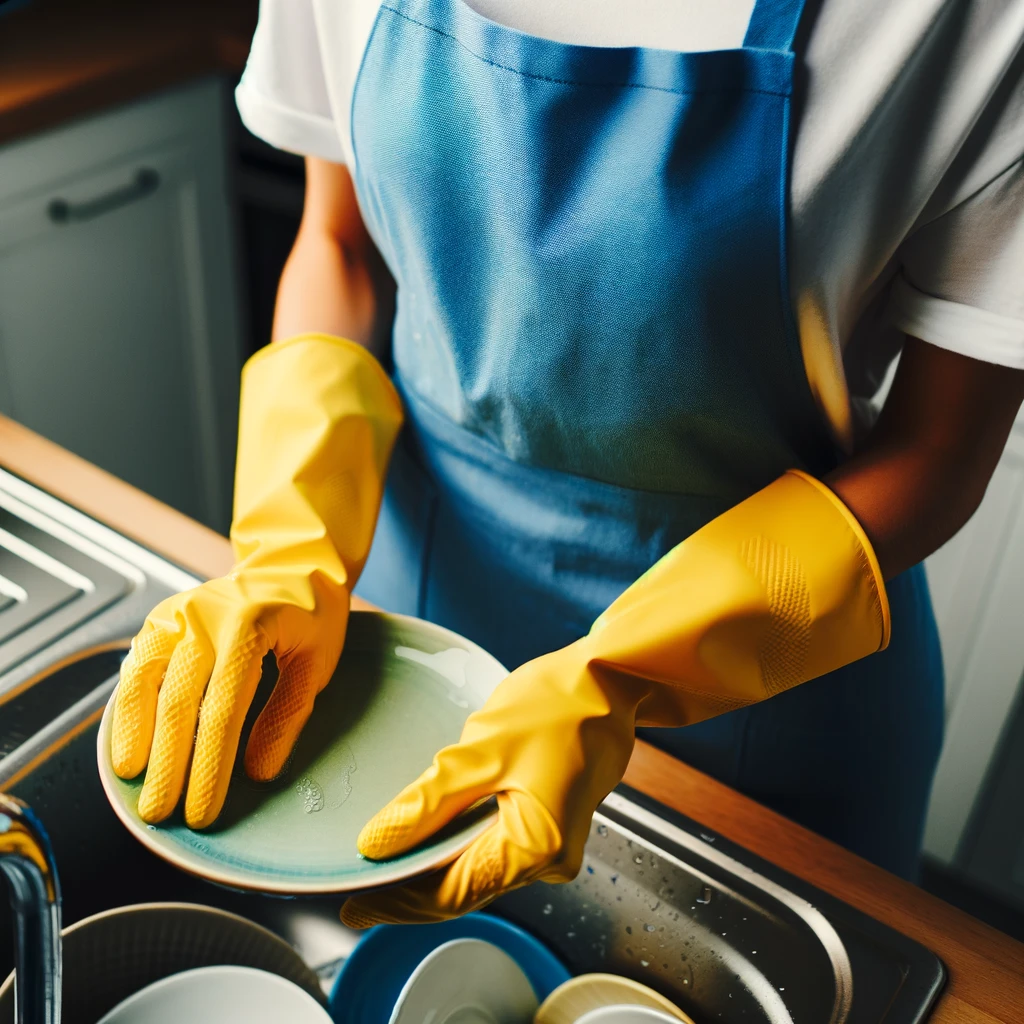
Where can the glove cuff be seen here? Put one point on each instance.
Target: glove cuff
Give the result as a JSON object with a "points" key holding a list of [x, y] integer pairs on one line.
{"points": [[361, 357], [317, 422], [872, 569]]}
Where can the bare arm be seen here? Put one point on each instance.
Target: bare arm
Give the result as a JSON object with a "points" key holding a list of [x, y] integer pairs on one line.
{"points": [[925, 466], [332, 282]]}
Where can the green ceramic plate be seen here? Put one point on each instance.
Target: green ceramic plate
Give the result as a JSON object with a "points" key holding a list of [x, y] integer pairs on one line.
{"points": [[403, 690]]}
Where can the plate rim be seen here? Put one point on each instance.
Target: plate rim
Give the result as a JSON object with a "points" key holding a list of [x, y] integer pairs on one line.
{"points": [[207, 970], [221, 876]]}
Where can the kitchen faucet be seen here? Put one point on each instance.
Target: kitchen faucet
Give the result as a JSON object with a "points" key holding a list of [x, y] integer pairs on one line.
{"points": [[26, 859]]}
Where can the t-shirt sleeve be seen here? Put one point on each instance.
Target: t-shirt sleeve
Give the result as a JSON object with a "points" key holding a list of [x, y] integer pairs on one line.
{"points": [[962, 281], [283, 96]]}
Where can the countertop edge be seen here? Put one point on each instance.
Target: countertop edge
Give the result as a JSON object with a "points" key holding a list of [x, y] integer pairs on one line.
{"points": [[90, 83]]}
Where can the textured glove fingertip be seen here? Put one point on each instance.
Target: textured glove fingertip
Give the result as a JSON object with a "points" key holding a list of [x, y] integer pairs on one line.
{"points": [[127, 762], [200, 815], [387, 833], [262, 765], [154, 806], [353, 915]]}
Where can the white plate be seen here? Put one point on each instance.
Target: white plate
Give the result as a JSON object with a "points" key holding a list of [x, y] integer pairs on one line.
{"points": [[219, 995], [627, 1015], [466, 981]]}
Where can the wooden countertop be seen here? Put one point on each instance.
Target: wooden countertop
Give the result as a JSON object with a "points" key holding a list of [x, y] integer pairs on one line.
{"points": [[986, 968], [61, 59]]}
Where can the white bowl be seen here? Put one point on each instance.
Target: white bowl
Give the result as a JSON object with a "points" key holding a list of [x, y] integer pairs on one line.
{"points": [[219, 995], [466, 981], [627, 1014]]}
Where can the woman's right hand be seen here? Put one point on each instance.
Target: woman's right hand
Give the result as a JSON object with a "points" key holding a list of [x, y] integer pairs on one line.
{"points": [[192, 673], [319, 417]]}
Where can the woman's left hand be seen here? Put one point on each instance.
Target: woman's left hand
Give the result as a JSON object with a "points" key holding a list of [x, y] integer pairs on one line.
{"points": [[777, 590], [550, 743]]}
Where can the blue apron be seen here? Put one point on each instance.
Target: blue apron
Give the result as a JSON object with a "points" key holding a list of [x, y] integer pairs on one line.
{"points": [[596, 348]]}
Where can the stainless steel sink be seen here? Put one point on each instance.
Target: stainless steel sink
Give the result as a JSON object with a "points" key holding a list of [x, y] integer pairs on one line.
{"points": [[730, 937], [68, 584], [659, 899]]}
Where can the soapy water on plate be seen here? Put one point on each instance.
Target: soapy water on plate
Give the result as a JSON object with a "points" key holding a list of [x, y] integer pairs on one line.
{"points": [[312, 794], [450, 664]]}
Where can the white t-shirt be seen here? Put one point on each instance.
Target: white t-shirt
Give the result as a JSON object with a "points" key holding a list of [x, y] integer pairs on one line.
{"points": [[907, 186]]}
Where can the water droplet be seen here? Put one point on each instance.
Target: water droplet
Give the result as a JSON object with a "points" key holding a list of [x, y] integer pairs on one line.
{"points": [[548, 908], [648, 927], [152, 828], [602, 830], [782, 988], [753, 952], [645, 963], [638, 859], [570, 935]]}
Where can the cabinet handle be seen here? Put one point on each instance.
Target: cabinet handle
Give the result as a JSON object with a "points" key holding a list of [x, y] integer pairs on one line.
{"points": [[145, 181]]}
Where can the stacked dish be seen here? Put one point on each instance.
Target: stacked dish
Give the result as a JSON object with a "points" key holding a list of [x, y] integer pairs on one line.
{"points": [[480, 969]]}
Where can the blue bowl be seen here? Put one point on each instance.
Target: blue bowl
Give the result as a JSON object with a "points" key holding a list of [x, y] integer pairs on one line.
{"points": [[369, 983]]}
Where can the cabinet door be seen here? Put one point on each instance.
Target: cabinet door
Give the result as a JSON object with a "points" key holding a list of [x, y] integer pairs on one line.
{"points": [[118, 309]]}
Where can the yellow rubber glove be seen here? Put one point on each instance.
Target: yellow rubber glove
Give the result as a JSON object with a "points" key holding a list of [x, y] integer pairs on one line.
{"points": [[318, 420], [778, 590]]}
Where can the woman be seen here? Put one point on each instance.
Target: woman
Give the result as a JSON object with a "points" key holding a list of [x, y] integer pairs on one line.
{"points": [[626, 337]]}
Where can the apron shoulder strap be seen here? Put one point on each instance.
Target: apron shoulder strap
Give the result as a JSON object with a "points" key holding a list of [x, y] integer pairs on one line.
{"points": [[773, 25]]}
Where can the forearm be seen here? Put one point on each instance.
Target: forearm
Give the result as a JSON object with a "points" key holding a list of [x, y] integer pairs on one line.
{"points": [[334, 278], [924, 468], [325, 289]]}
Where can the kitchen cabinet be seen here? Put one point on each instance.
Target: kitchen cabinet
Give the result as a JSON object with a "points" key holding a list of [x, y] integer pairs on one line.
{"points": [[120, 334]]}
